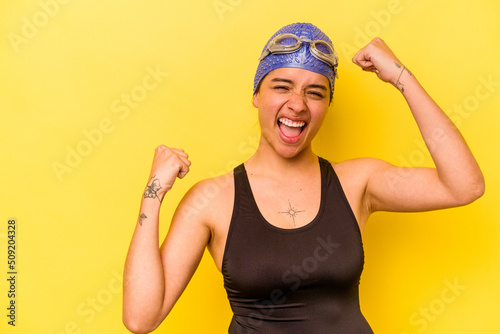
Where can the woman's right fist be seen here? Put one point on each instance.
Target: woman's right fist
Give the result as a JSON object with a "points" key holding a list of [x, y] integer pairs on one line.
{"points": [[168, 164]]}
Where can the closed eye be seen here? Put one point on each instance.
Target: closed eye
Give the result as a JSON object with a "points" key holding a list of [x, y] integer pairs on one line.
{"points": [[316, 94], [281, 88]]}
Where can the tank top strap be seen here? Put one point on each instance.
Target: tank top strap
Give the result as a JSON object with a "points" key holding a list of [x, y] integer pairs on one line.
{"points": [[328, 177], [238, 171], [242, 190], [336, 192]]}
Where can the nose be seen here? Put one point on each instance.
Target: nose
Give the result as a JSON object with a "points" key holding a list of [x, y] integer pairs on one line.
{"points": [[296, 102]]}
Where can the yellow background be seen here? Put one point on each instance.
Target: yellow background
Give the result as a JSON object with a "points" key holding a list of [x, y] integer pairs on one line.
{"points": [[66, 68]]}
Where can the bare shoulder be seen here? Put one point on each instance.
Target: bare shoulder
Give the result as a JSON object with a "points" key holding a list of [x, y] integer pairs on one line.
{"points": [[208, 199], [358, 169], [209, 206]]}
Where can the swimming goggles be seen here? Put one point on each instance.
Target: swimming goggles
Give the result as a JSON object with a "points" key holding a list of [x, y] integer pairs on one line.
{"points": [[276, 46]]}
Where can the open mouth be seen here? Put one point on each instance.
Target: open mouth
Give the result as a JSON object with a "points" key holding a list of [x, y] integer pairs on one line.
{"points": [[291, 129]]}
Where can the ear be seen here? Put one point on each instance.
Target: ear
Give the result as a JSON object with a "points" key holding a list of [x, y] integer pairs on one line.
{"points": [[255, 100]]}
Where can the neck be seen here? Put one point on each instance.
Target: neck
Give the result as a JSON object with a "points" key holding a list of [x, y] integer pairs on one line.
{"points": [[266, 160]]}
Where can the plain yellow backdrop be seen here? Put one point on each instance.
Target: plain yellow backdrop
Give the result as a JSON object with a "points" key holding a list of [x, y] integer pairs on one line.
{"points": [[88, 89]]}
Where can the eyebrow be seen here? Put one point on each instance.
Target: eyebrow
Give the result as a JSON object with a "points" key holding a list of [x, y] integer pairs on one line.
{"points": [[282, 80], [317, 86], [291, 82]]}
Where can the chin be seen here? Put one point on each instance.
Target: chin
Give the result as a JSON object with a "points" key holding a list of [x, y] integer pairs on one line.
{"points": [[289, 152]]}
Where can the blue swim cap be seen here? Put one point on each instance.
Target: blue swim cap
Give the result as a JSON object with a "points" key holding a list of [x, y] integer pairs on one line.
{"points": [[301, 58]]}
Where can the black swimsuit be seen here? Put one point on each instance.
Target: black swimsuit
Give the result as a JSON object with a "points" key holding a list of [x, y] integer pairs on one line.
{"points": [[302, 280]]}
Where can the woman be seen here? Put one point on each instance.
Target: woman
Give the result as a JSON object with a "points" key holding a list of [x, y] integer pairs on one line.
{"points": [[284, 228]]}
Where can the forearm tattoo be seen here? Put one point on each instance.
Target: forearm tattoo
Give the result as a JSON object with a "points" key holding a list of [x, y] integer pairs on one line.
{"points": [[142, 217], [399, 84], [292, 212], [153, 188]]}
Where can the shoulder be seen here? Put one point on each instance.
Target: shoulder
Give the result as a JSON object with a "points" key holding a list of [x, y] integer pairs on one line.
{"points": [[359, 169], [208, 198], [354, 174]]}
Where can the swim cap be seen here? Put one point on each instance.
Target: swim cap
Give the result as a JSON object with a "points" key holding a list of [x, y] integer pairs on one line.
{"points": [[302, 58]]}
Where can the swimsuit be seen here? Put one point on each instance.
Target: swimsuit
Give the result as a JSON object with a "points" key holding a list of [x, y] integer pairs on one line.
{"points": [[301, 280]]}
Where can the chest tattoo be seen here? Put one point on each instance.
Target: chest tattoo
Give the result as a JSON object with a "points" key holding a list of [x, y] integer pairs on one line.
{"points": [[292, 212]]}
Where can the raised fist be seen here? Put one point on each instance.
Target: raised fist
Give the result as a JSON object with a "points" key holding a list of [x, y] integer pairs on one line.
{"points": [[168, 164], [377, 57]]}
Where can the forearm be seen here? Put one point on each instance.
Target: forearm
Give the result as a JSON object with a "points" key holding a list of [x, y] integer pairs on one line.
{"points": [[145, 303], [456, 180], [144, 281], [456, 167]]}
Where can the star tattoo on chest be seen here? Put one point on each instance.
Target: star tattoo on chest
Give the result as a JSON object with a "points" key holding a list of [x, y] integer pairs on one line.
{"points": [[292, 212]]}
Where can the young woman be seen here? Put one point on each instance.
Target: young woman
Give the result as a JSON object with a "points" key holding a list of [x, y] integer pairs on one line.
{"points": [[284, 228]]}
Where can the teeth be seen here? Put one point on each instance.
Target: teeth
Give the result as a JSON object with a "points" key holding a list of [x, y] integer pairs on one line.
{"points": [[291, 123]]}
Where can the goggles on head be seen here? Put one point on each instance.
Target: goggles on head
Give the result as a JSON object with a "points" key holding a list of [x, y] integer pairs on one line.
{"points": [[321, 50]]}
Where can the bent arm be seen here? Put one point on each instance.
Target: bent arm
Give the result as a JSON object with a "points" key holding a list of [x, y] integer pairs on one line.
{"points": [[456, 179], [154, 277]]}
